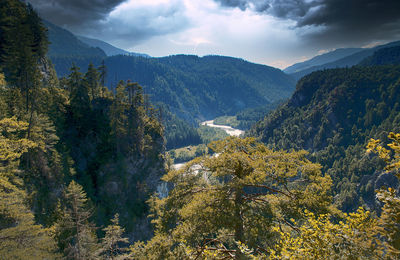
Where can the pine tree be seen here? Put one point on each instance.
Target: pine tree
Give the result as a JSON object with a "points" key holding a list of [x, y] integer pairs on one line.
{"points": [[238, 196], [74, 232], [20, 236], [102, 74], [79, 100], [390, 216], [110, 246], [119, 118], [24, 44], [92, 81], [136, 118]]}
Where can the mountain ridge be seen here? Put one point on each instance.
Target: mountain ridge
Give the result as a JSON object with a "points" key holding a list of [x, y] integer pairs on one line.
{"points": [[346, 61], [109, 49], [321, 59], [194, 88], [63, 43]]}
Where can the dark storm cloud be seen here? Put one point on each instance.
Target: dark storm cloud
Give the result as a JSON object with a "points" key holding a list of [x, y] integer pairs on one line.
{"points": [[74, 13], [333, 21], [93, 18]]}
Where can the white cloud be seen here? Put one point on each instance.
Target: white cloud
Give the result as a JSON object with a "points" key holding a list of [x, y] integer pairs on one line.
{"points": [[165, 27]]}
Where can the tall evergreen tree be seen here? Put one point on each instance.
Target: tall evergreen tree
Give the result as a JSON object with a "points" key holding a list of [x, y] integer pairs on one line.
{"points": [[119, 118], [112, 241], [74, 232], [237, 196], [20, 236], [79, 100], [92, 81]]}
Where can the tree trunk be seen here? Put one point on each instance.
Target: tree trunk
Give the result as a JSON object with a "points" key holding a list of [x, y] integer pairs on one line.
{"points": [[239, 233]]}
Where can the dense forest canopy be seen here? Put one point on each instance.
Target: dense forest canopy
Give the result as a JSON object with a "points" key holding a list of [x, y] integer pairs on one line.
{"points": [[84, 172]]}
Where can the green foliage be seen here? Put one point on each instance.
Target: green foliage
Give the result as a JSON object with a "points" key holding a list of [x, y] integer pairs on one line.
{"points": [[115, 142], [245, 119], [227, 120], [110, 246], [56, 132], [238, 195], [332, 114], [23, 44], [209, 134], [188, 153], [74, 233], [354, 237], [390, 216], [194, 88], [383, 56], [19, 235], [178, 133]]}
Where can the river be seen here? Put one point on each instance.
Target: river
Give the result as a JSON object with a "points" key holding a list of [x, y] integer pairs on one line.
{"points": [[228, 129], [162, 188]]}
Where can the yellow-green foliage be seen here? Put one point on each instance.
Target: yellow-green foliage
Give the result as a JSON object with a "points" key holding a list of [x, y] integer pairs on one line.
{"points": [[74, 233], [238, 195], [20, 237], [390, 217], [2, 80], [188, 153], [12, 139], [320, 238], [112, 241]]}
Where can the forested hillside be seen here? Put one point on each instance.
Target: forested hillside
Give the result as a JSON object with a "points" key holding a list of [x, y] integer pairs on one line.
{"points": [[192, 87], [84, 173], [333, 114], [321, 59], [344, 62], [109, 49], [63, 43], [73, 154], [386, 56]]}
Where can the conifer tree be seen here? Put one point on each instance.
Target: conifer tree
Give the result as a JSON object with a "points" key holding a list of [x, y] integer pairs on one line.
{"points": [[390, 216], [79, 100], [102, 74], [74, 232], [238, 196], [119, 118], [20, 236], [136, 118], [92, 81], [111, 243]]}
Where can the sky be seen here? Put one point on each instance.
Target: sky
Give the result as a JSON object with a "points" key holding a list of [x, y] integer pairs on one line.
{"points": [[272, 32]]}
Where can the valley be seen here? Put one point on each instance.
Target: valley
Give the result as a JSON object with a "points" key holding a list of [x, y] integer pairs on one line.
{"points": [[185, 154], [111, 153], [228, 129]]}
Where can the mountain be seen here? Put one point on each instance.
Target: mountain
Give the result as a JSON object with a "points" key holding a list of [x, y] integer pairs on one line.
{"points": [[333, 114], [198, 88], [65, 44], [109, 49], [346, 61], [322, 59], [386, 56], [194, 88]]}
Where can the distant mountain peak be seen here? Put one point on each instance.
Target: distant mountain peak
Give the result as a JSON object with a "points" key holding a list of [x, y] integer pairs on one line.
{"points": [[64, 43], [109, 49], [339, 58], [322, 59]]}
